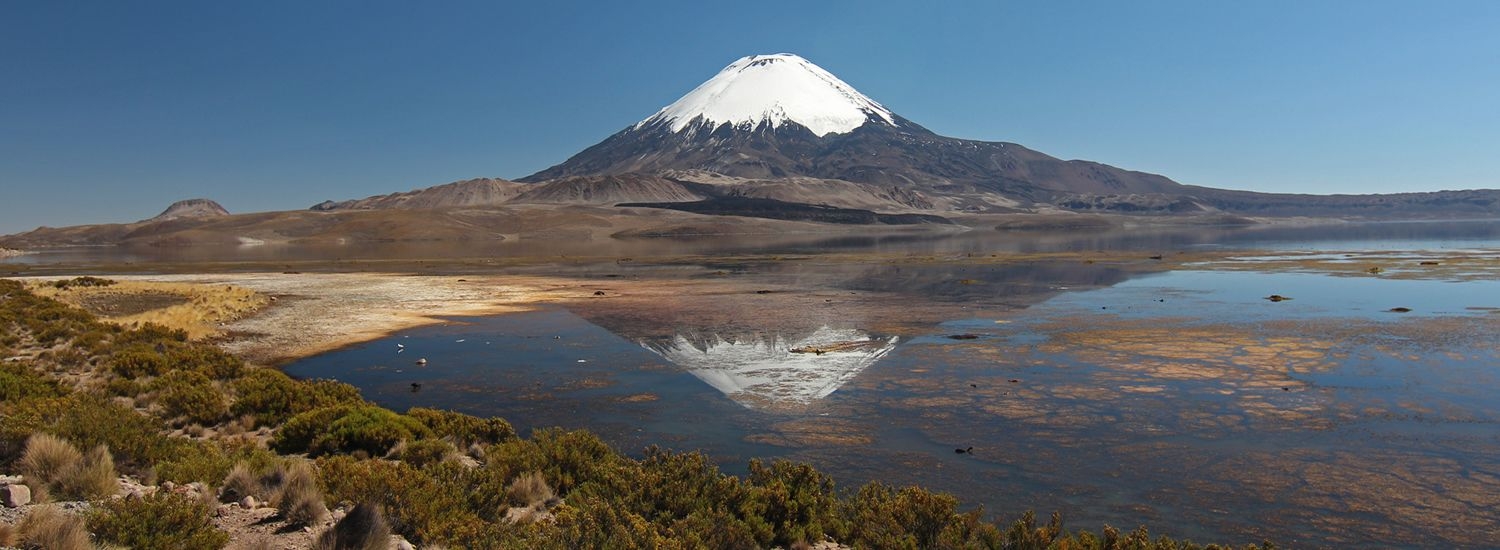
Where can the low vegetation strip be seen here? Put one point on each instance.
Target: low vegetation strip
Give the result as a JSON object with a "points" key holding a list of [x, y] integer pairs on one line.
{"points": [[169, 412]]}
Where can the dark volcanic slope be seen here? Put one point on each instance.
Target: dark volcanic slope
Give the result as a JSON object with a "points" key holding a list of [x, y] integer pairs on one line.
{"points": [[905, 154]]}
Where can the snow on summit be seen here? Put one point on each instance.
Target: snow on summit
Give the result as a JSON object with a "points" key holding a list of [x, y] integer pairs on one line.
{"points": [[774, 89]]}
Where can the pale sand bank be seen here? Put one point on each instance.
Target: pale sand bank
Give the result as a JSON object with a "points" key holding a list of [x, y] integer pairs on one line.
{"points": [[316, 312]]}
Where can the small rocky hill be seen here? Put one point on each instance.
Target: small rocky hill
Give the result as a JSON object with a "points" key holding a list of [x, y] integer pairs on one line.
{"points": [[191, 208]]}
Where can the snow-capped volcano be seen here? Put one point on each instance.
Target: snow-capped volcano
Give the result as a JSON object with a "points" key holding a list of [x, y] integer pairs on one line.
{"points": [[773, 90], [775, 118]]}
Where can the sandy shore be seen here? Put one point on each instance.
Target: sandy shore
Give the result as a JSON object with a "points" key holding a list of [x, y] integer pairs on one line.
{"points": [[316, 312]]}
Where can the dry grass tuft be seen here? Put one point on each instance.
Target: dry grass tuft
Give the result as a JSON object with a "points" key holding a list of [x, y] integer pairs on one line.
{"points": [[47, 457], [242, 482], [50, 528], [7, 535], [530, 490], [364, 528], [93, 478], [298, 499]]}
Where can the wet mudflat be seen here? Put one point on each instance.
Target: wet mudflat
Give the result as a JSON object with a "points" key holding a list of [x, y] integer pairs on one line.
{"points": [[1118, 389]]}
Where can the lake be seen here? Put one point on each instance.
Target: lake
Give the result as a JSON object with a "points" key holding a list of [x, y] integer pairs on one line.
{"points": [[1114, 387]]}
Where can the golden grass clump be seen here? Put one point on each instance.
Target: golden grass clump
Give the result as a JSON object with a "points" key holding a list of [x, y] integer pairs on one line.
{"points": [[46, 458], [53, 529], [92, 478], [363, 528], [530, 489], [299, 500]]}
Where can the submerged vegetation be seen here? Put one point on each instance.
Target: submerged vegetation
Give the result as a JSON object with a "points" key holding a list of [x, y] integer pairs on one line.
{"points": [[151, 403]]}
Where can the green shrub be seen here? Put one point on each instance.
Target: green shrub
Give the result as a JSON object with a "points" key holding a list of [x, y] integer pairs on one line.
{"points": [[206, 359], [462, 428], [882, 517], [592, 522], [567, 459], [427, 506], [191, 395], [346, 429], [794, 500], [422, 452], [90, 420], [22, 381], [82, 282], [273, 397], [137, 360], [161, 520]]}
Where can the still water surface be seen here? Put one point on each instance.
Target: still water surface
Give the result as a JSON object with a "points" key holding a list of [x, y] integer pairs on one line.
{"points": [[1183, 400]]}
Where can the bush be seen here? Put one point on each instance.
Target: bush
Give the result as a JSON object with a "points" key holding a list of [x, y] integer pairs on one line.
{"points": [[464, 429], [209, 461], [298, 499], [796, 501], [82, 282], [137, 360], [363, 528], [422, 452], [90, 420], [881, 517], [191, 395], [273, 397], [161, 520], [21, 381], [206, 359], [53, 529], [425, 506], [347, 429]]}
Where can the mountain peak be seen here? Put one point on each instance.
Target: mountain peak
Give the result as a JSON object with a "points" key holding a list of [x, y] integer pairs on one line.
{"points": [[773, 89]]}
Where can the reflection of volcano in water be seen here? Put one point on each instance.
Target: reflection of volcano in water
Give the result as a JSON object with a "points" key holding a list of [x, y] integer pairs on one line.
{"points": [[773, 372]]}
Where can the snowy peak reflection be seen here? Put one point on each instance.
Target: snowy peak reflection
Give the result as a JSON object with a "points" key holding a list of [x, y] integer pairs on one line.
{"points": [[776, 371]]}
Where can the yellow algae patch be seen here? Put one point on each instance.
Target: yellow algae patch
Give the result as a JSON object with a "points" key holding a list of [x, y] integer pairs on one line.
{"points": [[197, 309]]}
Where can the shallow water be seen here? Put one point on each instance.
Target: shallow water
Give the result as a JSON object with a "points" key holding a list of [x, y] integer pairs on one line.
{"points": [[1182, 400]]}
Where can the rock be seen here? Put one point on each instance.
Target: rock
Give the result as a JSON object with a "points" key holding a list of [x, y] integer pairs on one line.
{"points": [[248, 502], [15, 495], [1277, 298], [1400, 310], [168, 486], [402, 544]]}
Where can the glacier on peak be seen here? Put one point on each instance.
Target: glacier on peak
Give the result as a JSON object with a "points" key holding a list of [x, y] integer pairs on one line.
{"points": [[773, 89]]}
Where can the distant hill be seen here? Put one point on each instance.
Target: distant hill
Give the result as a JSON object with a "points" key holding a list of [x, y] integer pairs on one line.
{"points": [[191, 208]]}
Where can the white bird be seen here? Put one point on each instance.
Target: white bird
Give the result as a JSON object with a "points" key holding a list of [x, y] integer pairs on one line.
{"points": [[422, 361]]}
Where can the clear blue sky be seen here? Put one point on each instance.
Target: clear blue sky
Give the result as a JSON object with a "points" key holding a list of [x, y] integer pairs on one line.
{"points": [[111, 110]]}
